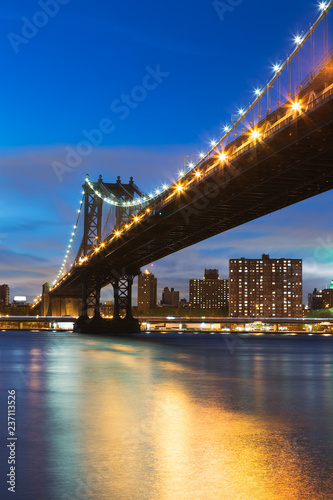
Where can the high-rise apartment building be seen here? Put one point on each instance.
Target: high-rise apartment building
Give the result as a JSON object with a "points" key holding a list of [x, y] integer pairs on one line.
{"points": [[170, 297], [210, 292], [328, 297], [315, 299], [265, 287], [4, 295], [147, 291]]}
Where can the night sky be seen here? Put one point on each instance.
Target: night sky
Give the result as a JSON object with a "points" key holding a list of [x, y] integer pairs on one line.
{"points": [[60, 80]]}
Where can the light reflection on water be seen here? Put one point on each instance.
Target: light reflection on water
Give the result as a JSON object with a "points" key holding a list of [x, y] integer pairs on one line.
{"points": [[171, 417]]}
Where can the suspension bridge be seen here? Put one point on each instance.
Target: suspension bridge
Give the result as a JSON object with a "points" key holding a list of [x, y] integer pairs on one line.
{"points": [[276, 152]]}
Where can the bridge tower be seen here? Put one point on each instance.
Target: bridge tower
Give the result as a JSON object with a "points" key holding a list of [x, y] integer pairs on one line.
{"points": [[120, 278]]}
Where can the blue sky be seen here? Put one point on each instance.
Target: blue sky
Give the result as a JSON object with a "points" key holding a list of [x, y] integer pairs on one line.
{"points": [[70, 73]]}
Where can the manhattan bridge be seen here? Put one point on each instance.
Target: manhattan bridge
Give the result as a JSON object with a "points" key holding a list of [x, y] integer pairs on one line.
{"points": [[276, 152]]}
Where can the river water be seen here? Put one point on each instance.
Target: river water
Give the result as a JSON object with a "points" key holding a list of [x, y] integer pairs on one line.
{"points": [[168, 416]]}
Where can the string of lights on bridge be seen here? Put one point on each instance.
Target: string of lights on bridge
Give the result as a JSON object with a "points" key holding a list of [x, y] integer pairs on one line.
{"points": [[139, 203], [228, 129]]}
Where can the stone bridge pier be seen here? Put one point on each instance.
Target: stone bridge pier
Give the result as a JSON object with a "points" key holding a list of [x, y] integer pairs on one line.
{"points": [[53, 305]]}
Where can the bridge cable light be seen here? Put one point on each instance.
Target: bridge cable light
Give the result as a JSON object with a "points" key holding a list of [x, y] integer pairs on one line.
{"points": [[298, 40], [323, 6]]}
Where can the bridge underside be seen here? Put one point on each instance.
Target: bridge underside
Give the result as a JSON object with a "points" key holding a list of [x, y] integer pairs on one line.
{"points": [[293, 165]]}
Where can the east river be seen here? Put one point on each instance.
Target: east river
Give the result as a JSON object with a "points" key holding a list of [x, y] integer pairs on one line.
{"points": [[167, 417]]}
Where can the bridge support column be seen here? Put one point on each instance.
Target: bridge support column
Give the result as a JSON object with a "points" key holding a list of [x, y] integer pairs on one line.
{"points": [[91, 292], [84, 308], [122, 316], [122, 322], [45, 304], [129, 315], [116, 310]]}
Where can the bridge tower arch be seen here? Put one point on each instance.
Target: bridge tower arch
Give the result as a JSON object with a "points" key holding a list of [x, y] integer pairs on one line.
{"points": [[90, 319]]}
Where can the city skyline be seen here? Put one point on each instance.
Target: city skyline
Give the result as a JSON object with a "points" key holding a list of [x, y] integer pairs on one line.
{"points": [[39, 204]]}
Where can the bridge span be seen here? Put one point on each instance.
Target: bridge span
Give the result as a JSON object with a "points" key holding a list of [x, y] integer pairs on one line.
{"points": [[284, 158]]}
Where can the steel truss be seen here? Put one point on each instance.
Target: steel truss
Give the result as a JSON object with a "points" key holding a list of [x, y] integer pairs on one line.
{"points": [[121, 280]]}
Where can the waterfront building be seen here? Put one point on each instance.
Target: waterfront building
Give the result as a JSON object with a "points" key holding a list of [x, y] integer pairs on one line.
{"points": [[211, 292], [147, 291], [107, 308], [4, 295], [328, 297], [315, 300], [170, 297], [265, 287]]}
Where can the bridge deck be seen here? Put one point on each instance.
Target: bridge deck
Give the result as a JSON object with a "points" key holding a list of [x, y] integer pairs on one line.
{"points": [[292, 161]]}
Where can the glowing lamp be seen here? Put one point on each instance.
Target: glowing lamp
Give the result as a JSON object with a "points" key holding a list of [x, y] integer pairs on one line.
{"points": [[255, 134], [296, 106], [222, 156]]}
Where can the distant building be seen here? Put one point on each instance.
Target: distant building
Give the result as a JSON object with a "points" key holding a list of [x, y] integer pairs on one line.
{"points": [[20, 300], [265, 287], [107, 308], [147, 291], [170, 297], [210, 292], [315, 300], [4, 295], [328, 297]]}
